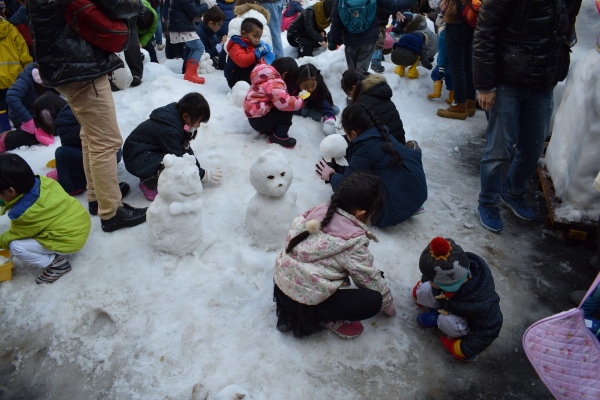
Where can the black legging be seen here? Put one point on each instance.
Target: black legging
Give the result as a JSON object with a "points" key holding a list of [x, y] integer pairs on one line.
{"points": [[352, 304]]}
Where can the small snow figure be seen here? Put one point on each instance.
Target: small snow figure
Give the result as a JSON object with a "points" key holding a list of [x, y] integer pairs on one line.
{"points": [[239, 92], [175, 217], [271, 210], [206, 64], [333, 147]]}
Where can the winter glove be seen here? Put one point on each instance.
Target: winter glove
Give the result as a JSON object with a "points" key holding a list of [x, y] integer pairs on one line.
{"points": [[213, 176], [329, 126], [323, 170], [304, 95], [453, 346], [262, 50], [426, 63], [28, 126], [390, 310], [43, 137], [331, 46]]}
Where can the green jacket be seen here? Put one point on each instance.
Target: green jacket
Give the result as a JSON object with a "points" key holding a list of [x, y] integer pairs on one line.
{"points": [[145, 36], [49, 215]]}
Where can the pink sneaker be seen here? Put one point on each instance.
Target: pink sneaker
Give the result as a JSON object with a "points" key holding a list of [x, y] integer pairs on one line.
{"points": [[346, 329], [53, 174], [148, 193]]}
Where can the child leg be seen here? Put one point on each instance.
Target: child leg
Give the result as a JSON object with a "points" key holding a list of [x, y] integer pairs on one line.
{"points": [[453, 326], [69, 165], [276, 124], [425, 296], [32, 252]]}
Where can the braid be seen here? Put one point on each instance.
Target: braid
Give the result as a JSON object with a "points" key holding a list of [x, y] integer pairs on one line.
{"points": [[388, 147], [333, 205]]}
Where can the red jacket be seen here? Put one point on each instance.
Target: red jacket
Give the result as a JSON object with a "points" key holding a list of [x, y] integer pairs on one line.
{"points": [[242, 56]]}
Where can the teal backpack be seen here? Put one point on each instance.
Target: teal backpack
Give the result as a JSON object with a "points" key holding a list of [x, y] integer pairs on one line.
{"points": [[357, 15]]}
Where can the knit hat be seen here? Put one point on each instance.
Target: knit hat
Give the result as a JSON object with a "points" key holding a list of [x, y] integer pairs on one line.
{"points": [[2, 6], [35, 74], [444, 263]]}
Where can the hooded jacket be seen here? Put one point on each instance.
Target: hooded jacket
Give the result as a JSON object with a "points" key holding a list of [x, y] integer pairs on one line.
{"points": [[268, 90], [49, 215], [13, 52], [21, 96], [154, 138], [145, 35], [67, 127], [317, 266], [249, 10], [419, 24], [62, 55], [405, 187], [182, 14]]}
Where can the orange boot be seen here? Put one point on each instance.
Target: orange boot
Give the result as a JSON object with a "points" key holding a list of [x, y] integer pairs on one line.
{"points": [[191, 72]]}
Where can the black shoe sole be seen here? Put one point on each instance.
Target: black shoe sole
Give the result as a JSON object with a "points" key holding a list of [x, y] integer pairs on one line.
{"points": [[128, 224]]}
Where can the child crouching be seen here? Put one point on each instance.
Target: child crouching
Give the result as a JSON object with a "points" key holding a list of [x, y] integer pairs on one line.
{"points": [[459, 287], [46, 222]]}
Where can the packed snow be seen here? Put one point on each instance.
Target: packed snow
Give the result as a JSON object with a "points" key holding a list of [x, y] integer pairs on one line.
{"points": [[131, 321]]}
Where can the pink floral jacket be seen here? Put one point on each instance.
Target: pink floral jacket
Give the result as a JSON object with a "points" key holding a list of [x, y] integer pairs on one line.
{"points": [[316, 267], [268, 90]]}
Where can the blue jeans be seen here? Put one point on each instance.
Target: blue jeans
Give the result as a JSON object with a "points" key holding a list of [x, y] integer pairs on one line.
{"points": [[459, 49], [520, 116], [276, 10], [158, 34], [437, 76], [196, 50]]}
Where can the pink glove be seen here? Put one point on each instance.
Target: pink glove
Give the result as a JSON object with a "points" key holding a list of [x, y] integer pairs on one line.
{"points": [[323, 170], [390, 310], [43, 137], [28, 126]]}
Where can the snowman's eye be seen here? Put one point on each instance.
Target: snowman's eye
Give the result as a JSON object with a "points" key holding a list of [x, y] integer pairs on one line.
{"points": [[270, 177], [283, 174]]}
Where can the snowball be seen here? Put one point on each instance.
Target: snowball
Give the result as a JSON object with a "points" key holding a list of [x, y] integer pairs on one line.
{"points": [[206, 64], [239, 92], [333, 146]]}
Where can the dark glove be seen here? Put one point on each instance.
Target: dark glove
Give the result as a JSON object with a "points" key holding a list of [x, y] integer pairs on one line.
{"points": [[331, 46], [426, 63]]}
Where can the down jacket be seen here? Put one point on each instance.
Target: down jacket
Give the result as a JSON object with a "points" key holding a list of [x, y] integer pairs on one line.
{"points": [[67, 127], [478, 303], [146, 145], [21, 96], [405, 188], [14, 53], [305, 25], [182, 14], [317, 266], [517, 43], [62, 55], [419, 24], [249, 10], [268, 90]]}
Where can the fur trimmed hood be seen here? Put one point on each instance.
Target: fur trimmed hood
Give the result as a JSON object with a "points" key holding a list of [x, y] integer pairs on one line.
{"points": [[244, 8], [371, 81], [418, 23]]}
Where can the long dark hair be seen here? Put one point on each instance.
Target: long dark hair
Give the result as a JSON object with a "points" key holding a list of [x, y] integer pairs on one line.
{"points": [[45, 109], [360, 191], [196, 106], [360, 117], [308, 71], [289, 65], [353, 77]]}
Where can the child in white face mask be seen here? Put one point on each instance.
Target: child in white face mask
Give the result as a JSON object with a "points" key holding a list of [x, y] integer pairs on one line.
{"points": [[169, 130]]}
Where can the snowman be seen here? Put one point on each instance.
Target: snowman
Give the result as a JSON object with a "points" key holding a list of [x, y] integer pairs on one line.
{"points": [[270, 212], [175, 217]]}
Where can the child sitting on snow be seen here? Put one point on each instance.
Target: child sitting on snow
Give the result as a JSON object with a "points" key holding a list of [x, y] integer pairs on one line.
{"points": [[245, 52], [268, 105], [458, 288], [326, 246], [169, 130], [46, 223]]}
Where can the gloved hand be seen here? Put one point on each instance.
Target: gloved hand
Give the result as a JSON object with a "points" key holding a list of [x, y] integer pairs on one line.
{"points": [[329, 126], [262, 50], [414, 293], [453, 346], [213, 176], [390, 310], [331, 46], [323, 170], [304, 94], [28, 126], [43, 137]]}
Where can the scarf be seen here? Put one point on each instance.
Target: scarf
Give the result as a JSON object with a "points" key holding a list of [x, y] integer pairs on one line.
{"points": [[320, 17]]}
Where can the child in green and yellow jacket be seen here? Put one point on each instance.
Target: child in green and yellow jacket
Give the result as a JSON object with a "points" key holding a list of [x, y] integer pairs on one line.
{"points": [[46, 223]]}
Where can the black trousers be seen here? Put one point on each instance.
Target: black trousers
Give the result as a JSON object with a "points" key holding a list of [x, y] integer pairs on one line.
{"points": [[133, 55], [306, 45], [17, 138], [276, 122], [352, 304]]}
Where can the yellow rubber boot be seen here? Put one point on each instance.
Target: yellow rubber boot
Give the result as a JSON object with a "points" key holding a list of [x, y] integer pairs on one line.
{"points": [[412, 70], [450, 98], [437, 90], [399, 70]]}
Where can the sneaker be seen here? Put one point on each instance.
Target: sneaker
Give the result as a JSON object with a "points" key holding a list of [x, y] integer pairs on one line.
{"points": [[288, 142], [126, 217], [377, 67], [93, 205], [160, 46], [150, 194], [346, 329], [518, 206], [57, 268], [428, 319], [490, 218]]}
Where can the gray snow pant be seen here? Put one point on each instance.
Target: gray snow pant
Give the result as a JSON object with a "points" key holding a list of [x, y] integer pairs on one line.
{"points": [[359, 56]]}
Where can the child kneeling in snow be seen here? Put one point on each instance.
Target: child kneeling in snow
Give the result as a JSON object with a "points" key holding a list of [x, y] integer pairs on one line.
{"points": [[268, 105], [325, 247], [458, 288], [46, 222], [169, 130]]}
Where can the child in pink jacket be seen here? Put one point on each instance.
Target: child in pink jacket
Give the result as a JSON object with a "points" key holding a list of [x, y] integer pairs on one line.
{"points": [[268, 105]]}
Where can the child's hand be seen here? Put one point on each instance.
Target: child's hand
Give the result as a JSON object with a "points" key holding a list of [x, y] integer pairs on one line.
{"points": [[28, 126], [304, 94], [224, 39], [213, 176], [323, 170]]}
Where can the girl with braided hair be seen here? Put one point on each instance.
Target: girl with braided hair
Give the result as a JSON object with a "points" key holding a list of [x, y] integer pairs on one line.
{"points": [[373, 149], [326, 246]]}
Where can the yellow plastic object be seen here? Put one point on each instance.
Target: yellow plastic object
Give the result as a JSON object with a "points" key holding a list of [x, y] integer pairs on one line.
{"points": [[51, 164], [6, 268], [304, 94]]}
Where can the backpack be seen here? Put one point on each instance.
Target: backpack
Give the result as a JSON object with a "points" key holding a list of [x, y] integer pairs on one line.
{"points": [[96, 27], [357, 15], [470, 12]]}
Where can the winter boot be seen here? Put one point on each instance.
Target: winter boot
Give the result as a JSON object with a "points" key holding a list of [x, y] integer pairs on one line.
{"points": [[376, 62], [450, 98], [428, 319], [437, 90], [191, 72], [346, 329], [458, 111], [148, 193], [57, 268], [412, 70], [286, 142], [471, 107], [400, 70], [4, 122]]}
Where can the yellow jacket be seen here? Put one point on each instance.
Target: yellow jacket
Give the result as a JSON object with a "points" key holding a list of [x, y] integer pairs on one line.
{"points": [[14, 54]]}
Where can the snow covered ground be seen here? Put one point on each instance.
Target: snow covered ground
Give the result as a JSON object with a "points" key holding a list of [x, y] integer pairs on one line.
{"points": [[130, 322]]}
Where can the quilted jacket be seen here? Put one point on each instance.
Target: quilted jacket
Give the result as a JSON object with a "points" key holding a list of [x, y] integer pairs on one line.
{"points": [[21, 96], [306, 26], [268, 90], [13, 52], [182, 14]]}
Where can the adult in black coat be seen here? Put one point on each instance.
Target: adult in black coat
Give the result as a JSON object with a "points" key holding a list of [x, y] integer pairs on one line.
{"points": [[308, 29]]}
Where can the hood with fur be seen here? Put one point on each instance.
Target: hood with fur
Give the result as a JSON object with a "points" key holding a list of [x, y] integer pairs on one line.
{"points": [[418, 23], [371, 81], [244, 8]]}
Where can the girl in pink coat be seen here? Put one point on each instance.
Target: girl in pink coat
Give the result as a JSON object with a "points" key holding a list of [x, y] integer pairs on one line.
{"points": [[268, 105]]}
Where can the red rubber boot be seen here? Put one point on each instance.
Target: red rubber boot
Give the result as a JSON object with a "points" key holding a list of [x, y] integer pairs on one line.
{"points": [[191, 72]]}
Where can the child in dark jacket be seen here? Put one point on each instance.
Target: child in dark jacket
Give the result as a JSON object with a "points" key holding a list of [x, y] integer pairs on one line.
{"points": [[169, 130], [371, 148], [212, 20], [308, 29], [245, 52], [460, 288]]}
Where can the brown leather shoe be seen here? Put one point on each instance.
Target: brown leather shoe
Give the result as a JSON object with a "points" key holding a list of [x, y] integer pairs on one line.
{"points": [[458, 111], [471, 107]]}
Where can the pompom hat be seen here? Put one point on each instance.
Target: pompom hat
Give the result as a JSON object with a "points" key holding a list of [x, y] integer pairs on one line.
{"points": [[444, 263]]}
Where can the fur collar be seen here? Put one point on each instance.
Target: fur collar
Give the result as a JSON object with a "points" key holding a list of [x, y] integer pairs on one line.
{"points": [[244, 8], [371, 81]]}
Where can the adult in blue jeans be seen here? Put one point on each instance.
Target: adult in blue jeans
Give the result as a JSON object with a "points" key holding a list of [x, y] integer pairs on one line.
{"points": [[520, 53], [275, 8]]}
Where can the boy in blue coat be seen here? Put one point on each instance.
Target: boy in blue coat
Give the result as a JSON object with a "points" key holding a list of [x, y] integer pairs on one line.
{"points": [[212, 21]]}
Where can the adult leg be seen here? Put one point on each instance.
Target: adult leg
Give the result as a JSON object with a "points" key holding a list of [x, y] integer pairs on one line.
{"points": [[133, 55], [276, 10], [455, 51], [468, 62], [158, 33], [352, 305], [364, 54]]}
